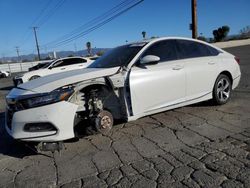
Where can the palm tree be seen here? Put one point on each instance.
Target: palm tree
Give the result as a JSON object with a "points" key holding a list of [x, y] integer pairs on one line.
{"points": [[88, 45], [143, 34]]}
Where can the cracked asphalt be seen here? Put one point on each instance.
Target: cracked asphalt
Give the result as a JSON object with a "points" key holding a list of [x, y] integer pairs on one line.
{"points": [[195, 146]]}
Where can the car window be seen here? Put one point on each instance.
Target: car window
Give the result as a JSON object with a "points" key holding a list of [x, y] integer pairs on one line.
{"points": [[67, 62], [119, 56], [164, 49], [58, 63], [191, 49], [93, 58], [79, 60], [213, 51]]}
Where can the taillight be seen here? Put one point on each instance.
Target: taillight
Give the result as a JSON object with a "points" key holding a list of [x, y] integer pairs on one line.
{"points": [[237, 60]]}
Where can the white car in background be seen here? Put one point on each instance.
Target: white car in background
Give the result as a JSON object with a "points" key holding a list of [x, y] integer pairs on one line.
{"points": [[127, 82], [4, 74], [56, 66]]}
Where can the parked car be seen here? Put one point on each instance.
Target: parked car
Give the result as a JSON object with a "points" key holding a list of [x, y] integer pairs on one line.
{"points": [[4, 74], [56, 66], [39, 66], [128, 82]]}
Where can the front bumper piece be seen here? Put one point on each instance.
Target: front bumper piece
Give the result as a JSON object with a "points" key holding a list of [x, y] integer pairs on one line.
{"points": [[60, 115]]}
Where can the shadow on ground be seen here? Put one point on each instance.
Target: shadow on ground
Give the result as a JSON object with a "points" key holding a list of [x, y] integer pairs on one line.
{"points": [[6, 88], [203, 104], [10, 147]]}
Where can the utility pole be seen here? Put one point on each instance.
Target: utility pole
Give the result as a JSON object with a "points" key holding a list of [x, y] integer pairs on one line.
{"points": [[18, 56], [37, 46], [75, 48], [194, 18], [17, 51], [3, 57]]}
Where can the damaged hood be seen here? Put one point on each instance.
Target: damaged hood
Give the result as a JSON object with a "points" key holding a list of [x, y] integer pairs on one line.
{"points": [[52, 82]]}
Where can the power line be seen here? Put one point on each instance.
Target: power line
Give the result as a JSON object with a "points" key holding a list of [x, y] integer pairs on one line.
{"points": [[41, 13], [98, 25], [93, 21], [28, 33], [40, 19], [51, 13], [95, 27]]}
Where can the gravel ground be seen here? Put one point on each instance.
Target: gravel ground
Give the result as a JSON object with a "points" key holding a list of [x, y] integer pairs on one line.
{"points": [[195, 146]]}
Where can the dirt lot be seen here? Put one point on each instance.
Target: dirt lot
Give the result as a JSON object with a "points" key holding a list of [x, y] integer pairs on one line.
{"points": [[195, 146]]}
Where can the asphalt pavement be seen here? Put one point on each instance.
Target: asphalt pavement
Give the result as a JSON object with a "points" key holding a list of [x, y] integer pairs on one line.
{"points": [[195, 146]]}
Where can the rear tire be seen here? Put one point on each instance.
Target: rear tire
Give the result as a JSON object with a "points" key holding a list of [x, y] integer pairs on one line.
{"points": [[222, 90]]}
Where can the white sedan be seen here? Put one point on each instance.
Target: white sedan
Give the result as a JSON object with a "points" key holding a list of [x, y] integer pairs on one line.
{"points": [[128, 82], [56, 66], [4, 74]]}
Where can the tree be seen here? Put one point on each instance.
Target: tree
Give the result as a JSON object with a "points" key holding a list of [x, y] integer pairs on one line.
{"points": [[143, 34], [100, 53], [221, 33], [154, 37], [202, 38], [245, 32], [88, 45]]}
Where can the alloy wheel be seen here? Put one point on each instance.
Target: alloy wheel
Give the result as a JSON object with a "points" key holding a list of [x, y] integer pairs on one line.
{"points": [[223, 89]]}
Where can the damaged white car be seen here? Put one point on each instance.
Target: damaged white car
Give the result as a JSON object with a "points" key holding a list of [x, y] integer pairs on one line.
{"points": [[128, 82]]}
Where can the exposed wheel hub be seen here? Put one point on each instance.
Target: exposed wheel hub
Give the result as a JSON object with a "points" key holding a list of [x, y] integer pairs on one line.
{"points": [[104, 121]]}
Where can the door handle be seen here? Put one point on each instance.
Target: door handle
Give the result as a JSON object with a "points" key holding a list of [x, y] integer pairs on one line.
{"points": [[62, 68], [178, 67], [211, 63]]}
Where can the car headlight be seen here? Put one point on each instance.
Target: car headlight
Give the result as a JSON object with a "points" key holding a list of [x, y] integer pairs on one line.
{"points": [[57, 95]]}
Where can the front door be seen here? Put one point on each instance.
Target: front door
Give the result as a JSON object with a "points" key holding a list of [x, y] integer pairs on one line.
{"points": [[154, 87]]}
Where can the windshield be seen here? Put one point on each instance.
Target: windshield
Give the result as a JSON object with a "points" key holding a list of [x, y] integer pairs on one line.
{"points": [[119, 56], [48, 64]]}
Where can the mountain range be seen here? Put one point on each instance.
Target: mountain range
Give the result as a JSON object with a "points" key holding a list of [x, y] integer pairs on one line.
{"points": [[60, 54]]}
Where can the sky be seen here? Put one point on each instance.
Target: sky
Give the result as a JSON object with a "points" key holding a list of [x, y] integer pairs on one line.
{"points": [[57, 18]]}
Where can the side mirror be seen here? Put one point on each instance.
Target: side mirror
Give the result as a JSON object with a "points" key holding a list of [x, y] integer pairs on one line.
{"points": [[150, 59]]}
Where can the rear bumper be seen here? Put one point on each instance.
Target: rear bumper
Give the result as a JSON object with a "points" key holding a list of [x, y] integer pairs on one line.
{"points": [[61, 115], [236, 81]]}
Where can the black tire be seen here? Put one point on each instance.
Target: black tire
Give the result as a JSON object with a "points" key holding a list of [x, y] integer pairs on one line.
{"points": [[104, 122], [34, 77], [222, 90]]}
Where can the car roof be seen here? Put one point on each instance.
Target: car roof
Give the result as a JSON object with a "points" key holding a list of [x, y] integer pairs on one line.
{"points": [[153, 40], [164, 38], [72, 57]]}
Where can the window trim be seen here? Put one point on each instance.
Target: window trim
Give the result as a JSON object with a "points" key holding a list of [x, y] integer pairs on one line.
{"points": [[155, 43], [196, 42]]}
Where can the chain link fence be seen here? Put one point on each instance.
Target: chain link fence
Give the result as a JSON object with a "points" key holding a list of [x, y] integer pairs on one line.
{"points": [[19, 67]]}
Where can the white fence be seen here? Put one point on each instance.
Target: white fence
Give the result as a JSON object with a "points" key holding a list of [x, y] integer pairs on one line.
{"points": [[19, 67]]}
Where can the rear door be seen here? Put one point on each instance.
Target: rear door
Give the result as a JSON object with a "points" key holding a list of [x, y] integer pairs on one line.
{"points": [[201, 67]]}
